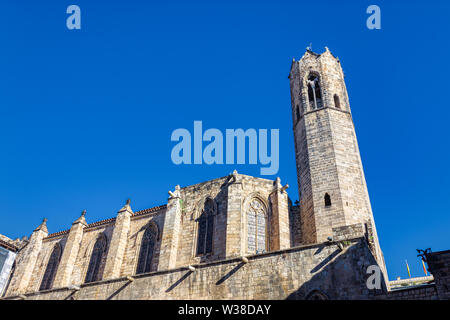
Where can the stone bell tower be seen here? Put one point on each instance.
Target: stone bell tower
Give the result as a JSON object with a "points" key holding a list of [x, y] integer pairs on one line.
{"points": [[332, 187]]}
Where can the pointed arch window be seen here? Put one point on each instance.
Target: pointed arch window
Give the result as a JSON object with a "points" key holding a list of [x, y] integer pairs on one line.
{"points": [[337, 103], [52, 266], [206, 228], [147, 250], [256, 227], [314, 92], [93, 273]]}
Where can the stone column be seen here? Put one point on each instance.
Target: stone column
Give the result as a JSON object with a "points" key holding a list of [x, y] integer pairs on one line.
{"points": [[118, 242], [171, 231], [279, 220], [63, 275], [234, 245], [26, 261]]}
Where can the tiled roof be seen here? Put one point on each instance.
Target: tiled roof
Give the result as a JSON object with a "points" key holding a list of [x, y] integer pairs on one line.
{"points": [[101, 222], [106, 221], [149, 210], [8, 246]]}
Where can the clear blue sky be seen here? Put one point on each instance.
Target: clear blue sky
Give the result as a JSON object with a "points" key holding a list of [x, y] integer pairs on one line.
{"points": [[87, 115]]}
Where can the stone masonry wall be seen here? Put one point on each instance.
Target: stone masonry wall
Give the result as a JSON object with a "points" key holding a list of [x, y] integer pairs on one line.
{"points": [[287, 274], [90, 234], [424, 292], [229, 237], [137, 229], [439, 266], [227, 242]]}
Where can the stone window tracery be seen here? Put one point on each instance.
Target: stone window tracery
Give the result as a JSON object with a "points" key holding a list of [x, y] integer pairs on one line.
{"points": [[256, 227], [147, 250], [93, 273]]}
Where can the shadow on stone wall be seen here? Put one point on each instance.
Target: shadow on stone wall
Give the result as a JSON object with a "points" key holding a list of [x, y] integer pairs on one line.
{"points": [[229, 274], [176, 283], [341, 275], [118, 291]]}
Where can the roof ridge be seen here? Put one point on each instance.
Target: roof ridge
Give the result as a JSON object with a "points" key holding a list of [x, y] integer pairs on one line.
{"points": [[149, 210], [54, 234], [8, 245], [104, 221]]}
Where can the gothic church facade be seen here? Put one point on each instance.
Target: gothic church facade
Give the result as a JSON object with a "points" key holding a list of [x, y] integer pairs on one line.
{"points": [[235, 237]]}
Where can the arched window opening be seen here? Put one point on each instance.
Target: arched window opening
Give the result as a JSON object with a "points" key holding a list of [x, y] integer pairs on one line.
{"points": [[337, 103], [206, 228], [93, 273], [314, 93], [52, 266], [316, 295], [256, 227], [327, 199], [147, 250]]}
